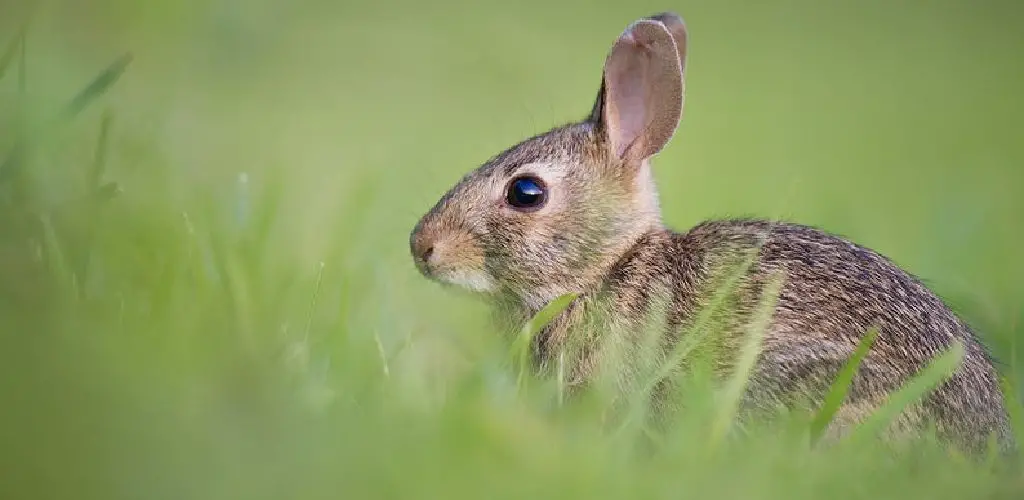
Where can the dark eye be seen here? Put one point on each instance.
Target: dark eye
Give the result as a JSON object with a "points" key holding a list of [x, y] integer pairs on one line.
{"points": [[526, 193]]}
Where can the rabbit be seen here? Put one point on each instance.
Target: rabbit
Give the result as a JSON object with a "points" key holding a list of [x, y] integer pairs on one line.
{"points": [[576, 210]]}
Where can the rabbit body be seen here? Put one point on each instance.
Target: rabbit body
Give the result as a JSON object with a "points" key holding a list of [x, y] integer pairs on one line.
{"points": [[576, 210], [832, 293]]}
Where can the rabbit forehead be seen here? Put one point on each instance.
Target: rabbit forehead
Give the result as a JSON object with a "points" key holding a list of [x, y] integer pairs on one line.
{"points": [[558, 157], [552, 172]]}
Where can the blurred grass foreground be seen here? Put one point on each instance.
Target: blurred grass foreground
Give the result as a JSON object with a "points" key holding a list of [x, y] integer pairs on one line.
{"points": [[205, 290]]}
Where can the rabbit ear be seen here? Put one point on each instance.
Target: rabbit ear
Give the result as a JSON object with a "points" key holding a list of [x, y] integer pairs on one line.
{"points": [[677, 28], [641, 98]]}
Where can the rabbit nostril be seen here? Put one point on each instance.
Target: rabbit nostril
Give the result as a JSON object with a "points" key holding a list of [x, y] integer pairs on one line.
{"points": [[422, 248], [422, 251]]}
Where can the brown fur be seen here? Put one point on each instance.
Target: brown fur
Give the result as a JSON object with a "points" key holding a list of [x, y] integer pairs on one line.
{"points": [[600, 235]]}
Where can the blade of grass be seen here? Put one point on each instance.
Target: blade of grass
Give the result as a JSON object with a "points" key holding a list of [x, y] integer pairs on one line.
{"points": [[689, 340], [55, 256], [383, 354], [13, 48], [228, 270], [262, 213], [521, 349], [99, 86], [749, 351], [9, 170], [643, 360], [939, 369], [99, 160], [837, 392], [98, 195], [701, 327], [237, 282], [312, 302], [692, 337]]}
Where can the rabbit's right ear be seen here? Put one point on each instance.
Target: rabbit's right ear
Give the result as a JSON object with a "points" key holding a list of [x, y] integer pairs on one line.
{"points": [[641, 98]]}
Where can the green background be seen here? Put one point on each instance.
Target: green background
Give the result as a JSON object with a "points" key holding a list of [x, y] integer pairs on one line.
{"points": [[180, 356]]}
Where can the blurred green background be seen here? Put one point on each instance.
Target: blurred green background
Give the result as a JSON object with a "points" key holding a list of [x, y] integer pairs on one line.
{"points": [[243, 320]]}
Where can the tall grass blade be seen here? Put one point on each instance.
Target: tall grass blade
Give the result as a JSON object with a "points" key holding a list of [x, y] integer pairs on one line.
{"points": [[96, 88], [938, 370], [749, 351], [56, 257], [12, 49], [701, 327], [98, 194], [262, 214], [837, 392], [100, 85], [99, 160], [15, 48], [646, 362], [312, 302], [689, 340], [9, 167], [521, 349]]}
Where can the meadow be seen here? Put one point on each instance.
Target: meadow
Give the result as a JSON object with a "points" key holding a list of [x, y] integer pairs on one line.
{"points": [[205, 282]]}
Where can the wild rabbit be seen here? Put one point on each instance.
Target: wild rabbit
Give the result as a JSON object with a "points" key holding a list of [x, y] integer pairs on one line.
{"points": [[576, 210]]}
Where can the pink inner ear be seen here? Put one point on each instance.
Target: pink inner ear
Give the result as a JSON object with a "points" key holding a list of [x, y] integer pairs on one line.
{"points": [[643, 91], [627, 107]]}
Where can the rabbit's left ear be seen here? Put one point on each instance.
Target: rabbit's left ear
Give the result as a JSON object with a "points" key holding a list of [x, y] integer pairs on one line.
{"points": [[641, 98]]}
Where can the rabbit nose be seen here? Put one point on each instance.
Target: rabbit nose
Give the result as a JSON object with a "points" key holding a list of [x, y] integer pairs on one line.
{"points": [[422, 250], [425, 252]]}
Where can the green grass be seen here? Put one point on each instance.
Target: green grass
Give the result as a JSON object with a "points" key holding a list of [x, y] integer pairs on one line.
{"points": [[172, 328]]}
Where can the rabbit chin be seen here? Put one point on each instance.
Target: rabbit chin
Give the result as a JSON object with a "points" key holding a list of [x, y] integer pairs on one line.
{"points": [[469, 279]]}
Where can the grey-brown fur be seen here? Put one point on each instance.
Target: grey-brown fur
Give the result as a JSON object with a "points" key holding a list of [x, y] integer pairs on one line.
{"points": [[833, 292], [600, 234]]}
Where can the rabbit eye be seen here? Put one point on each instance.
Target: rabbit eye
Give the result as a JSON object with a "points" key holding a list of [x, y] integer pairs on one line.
{"points": [[526, 193]]}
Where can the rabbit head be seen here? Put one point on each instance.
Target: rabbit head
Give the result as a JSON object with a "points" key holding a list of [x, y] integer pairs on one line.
{"points": [[552, 214]]}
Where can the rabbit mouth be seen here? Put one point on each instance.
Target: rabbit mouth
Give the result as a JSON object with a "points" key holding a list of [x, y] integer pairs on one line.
{"points": [[474, 280], [451, 260]]}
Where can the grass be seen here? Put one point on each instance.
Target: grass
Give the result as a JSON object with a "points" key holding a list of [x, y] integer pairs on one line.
{"points": [[837, 392], [205, 287]]}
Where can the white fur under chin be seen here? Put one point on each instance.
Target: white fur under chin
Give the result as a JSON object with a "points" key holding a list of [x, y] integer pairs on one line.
{"points": [[475, 281]]}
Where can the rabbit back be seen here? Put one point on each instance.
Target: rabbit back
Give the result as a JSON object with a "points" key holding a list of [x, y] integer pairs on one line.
{"points": [[832, 293]]}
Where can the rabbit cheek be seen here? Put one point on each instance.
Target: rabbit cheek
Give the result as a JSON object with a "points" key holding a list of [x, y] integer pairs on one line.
{"points": [[530, 253]]}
